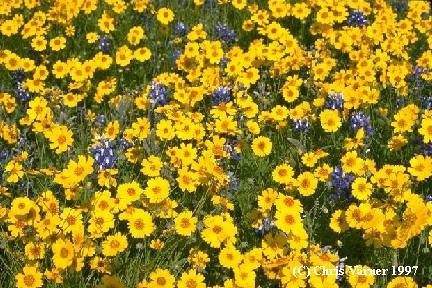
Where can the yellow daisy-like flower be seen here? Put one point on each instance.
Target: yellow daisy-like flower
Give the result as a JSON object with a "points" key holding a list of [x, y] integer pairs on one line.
{"points": [[165, 16], [307, 183], [140, 224], [262, 146], [161, 278], [63, 253], [185, 223], [157, 189], [30, 278], [114, 244], [361, 189], [330, 120]]}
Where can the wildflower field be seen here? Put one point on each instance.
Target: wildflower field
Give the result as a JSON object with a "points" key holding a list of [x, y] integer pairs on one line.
{"points": [[215, 143]]}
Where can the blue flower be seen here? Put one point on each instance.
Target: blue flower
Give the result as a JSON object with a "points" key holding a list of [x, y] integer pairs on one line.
{"points": [[4, 154], [176, 54], [221, 95], [124, 144], [301, 125], [360, 120], [233, 184], [225, 34], [100, 120], [104, 45], [341, 181], [104, 155], [181, 29], [23, 95], [157, 94], [335, 101], [416, 76], [18, 75], [426, 102], [230, 149], [266, 226], [357, 18]]}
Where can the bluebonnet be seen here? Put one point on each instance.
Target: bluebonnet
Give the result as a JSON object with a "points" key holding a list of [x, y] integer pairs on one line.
{"points": [[104, 45], [426, 149], [266, 226], [357, 18], [23, 95], [176, 54], [181, 29], [221, 95], [301, 125], [341, 181], [104, 155], [419, 82], [233, 153], [157, 94], [233, 184], [100, 120], [426, 102], [335, 101], [223, 62], [4, 154], [124, 144], [18, 75], [427, 198], [225, 34], [360, 120]]}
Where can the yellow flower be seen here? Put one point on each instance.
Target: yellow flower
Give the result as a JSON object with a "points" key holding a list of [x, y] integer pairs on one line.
{"points": [[140, 224], [35, 251], [401, 281], [63, 253], [57, 43], [330, 120], [426, 130], [110, 282], [60, 138], [230, 257], [283, 174], [91, 37], [114, 244], [421, 167], [218, 229], [307, 183], [185, 223], [128, 193], [39, 43], [151, 166], [191, 279], [15, 170], [165, 16], [106, 23], [361, 189], [30, 278], [157, 189], [239, 4], [142, 54], [161, 278], [262, 146], [123, 56]]}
